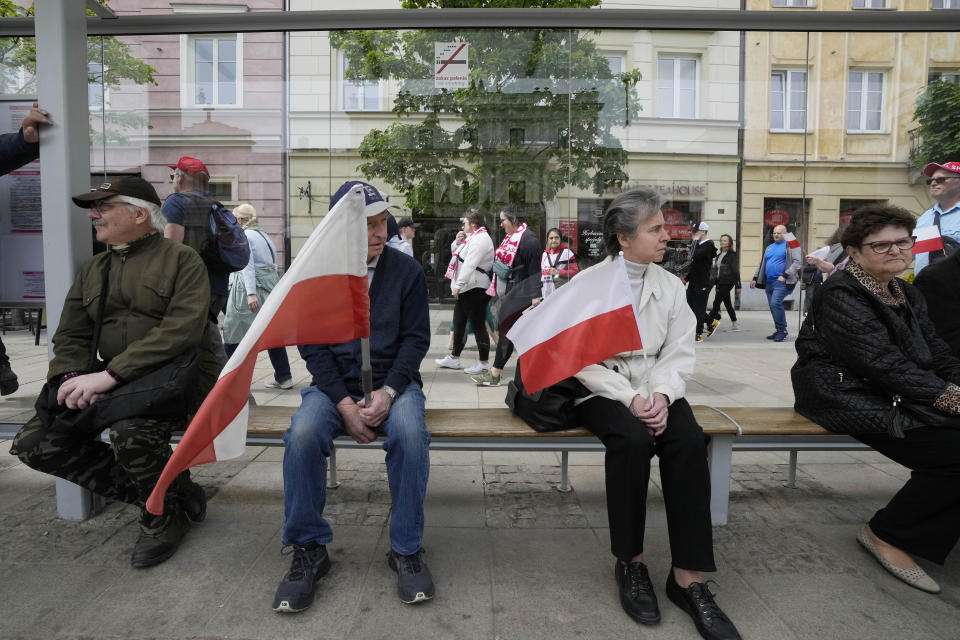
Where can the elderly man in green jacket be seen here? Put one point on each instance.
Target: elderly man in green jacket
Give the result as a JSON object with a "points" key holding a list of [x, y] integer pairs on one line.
{"points": [[157, 296]]}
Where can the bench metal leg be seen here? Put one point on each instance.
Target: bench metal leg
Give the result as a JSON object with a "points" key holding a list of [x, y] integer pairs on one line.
{"points": [[720, 454], [564, 476], [792, 477], [76, 503], [332, 482]]}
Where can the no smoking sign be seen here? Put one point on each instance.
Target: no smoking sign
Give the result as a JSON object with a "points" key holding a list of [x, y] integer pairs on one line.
{"points": [[451, 70]]}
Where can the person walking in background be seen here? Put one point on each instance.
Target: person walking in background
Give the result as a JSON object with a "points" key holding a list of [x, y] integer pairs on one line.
{"points": [[777, 275], [516, 282], [826, 260], [725, 275], [249, 289], [557, 264], [944, 181], [469, 274], [702, 253], [408, 231]]}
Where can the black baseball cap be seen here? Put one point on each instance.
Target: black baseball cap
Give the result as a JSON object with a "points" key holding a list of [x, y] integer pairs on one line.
{"points": [[131, 187], [407, 222]]}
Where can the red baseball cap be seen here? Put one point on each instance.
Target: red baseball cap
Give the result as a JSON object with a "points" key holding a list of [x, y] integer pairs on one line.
{"points": [[190, 165], [933, 166]]}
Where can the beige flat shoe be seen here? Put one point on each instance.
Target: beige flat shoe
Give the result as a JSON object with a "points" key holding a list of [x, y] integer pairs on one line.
{"points": [[913, 576]]}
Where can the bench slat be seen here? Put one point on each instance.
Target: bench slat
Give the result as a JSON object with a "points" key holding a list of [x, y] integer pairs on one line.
{"points": [[765, 421]]}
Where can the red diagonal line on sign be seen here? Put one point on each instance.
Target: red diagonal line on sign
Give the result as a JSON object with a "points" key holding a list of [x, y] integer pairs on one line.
{"points": [[451, 58]]}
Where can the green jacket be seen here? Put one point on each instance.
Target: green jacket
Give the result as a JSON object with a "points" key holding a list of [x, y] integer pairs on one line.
{"points": [[156, 309]]}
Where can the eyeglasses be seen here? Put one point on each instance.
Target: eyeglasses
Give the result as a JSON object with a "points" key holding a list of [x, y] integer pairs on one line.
{"points": [[940, 179], [903, 244]]}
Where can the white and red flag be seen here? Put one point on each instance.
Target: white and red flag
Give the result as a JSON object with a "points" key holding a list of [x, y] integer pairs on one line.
{"points": [[584, 322], [928, 239], [321, 299], [792, 241]]}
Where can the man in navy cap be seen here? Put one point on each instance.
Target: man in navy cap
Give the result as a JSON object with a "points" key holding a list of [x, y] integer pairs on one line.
{"points": [[944, 181], [333, 405]]}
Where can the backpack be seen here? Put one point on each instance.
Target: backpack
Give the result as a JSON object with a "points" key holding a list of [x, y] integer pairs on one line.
{"points": [[213, 232]]}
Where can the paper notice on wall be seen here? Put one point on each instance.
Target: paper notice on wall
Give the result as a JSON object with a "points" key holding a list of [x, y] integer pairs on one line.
{"points": [[31, 285], [23, 201]]}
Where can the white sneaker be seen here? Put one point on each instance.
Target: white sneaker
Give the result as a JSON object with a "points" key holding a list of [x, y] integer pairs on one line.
{"points": [[477, 368], [283, 384], [732, 330], [448, 362]]}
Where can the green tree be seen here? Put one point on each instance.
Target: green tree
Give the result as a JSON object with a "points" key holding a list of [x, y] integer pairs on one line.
{"points": [[938, 116], [110, 62], [535, 118]]}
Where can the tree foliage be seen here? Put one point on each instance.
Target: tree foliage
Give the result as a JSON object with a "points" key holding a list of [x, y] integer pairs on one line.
{"points": [[938, 115], [536, 117]]}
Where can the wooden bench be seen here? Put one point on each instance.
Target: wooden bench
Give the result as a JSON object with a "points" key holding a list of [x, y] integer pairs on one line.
{"points": [[740, 428]]}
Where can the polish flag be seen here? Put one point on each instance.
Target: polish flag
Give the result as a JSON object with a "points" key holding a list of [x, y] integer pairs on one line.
{"points": [[321, 299], [584, 322], [928, 239], [792, 241]]}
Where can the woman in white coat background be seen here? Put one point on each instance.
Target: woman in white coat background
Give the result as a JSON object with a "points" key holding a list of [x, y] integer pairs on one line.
{"points": [[638, 410]]}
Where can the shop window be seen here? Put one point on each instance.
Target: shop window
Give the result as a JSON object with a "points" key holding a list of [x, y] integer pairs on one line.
{"points": [[677, 87], [865, 99], [789, 212], [788, 100], [362, 95]]}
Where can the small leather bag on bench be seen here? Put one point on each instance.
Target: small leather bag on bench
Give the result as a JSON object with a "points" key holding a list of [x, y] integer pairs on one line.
{"points": [[165, 392], [549, 409]]}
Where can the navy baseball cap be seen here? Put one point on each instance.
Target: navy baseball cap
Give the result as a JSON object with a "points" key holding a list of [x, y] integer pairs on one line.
{"points": [[374, 202]]}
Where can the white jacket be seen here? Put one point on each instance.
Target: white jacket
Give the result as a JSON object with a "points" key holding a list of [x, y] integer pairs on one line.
{"points": [[667, 329], [477, 253]]}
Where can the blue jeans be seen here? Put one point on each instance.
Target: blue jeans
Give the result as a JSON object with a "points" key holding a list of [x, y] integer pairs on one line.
{"points": [[776, 292], [309, 441], [278, 358]]}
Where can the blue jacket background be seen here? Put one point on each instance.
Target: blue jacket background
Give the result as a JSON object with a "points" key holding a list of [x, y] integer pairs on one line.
{"points": [[16, 152], [399, 334]]}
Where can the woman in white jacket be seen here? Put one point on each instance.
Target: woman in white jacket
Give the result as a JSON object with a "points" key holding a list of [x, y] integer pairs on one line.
{"points": [[637, 409], [469, 274]]}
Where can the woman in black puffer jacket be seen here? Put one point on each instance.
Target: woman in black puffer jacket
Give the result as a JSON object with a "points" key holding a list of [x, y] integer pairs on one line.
{"points": [[871, 365]]}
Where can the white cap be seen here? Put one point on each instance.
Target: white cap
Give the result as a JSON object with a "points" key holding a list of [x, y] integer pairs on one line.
{"points": [[703, 227]]}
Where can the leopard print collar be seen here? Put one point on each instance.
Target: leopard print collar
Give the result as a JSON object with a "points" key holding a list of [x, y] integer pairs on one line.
{"points": [[891, 294]]}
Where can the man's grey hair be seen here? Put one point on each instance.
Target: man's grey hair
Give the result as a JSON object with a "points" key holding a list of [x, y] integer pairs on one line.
{"points": [[157, 220], [625, 215]]}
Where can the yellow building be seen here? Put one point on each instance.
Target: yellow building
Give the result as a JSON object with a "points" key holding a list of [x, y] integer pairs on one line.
{"points": [[828, 118]]}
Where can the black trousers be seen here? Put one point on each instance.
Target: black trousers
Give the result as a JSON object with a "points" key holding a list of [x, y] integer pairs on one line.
{"points": [[682, 448], [3, 355], [471, 305], [697, 294], [722, 295], [923, 518], [504, 351]]}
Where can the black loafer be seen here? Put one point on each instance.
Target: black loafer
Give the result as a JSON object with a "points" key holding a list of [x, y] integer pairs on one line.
{"points": [[160, 537], [698, 602], [636, 592]]}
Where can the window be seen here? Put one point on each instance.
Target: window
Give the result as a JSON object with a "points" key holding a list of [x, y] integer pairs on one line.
{"points": [[946, 4], [677, 87], [870, 4], [952, 76], [361, 95], [865, 101], [96, 91], [793, 3], [788, 100], [223, 188], [616, 62], [211, 66]]}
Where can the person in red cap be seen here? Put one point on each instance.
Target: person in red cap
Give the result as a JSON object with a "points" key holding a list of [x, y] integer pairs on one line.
{"points": [[944, 181], [187, 211]]}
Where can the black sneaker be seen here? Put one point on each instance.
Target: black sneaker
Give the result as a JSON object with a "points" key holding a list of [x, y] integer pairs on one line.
{"points": [[414, 582], [8, 380], [773, 335], [713, 327], [160, 537], [698, 602], [310, 563], [193, 500], [636, 592]]}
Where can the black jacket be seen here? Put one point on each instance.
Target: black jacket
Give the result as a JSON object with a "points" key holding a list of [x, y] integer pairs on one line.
{"points": [[727, 271], [701, 259], [855, 353], [16, 152], [938, 283]]}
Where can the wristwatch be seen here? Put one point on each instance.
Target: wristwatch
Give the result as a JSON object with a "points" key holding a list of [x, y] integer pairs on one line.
{"points": [[390, 392]]}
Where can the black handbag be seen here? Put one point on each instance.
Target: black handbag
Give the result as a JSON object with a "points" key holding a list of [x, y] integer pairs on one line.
{"points": [[549, 409], [165, 392]]}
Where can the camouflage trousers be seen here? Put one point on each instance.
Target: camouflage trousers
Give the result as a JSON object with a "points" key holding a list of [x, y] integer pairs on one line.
{"points": [[126, 469]]}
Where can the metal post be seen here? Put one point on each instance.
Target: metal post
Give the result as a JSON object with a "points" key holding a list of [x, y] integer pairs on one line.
{"points": [[720, 451], [332, 482], [792, 478], [564, 476], [61, 30]]}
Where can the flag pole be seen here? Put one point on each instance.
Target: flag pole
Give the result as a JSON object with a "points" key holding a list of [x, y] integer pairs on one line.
{"points": [[366, 373]]}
